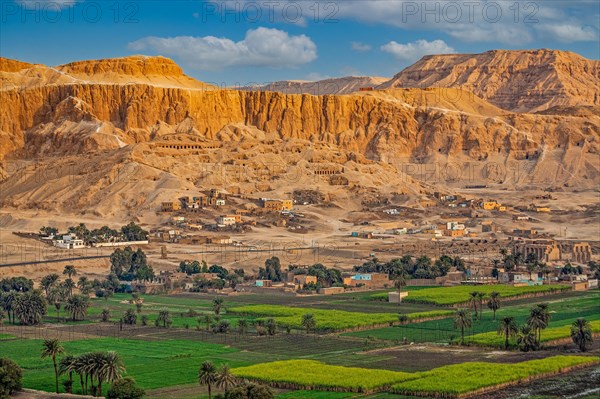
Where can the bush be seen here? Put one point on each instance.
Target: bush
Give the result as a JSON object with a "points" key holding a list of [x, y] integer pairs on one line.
{"points": [[125, 388], [10, 378]]}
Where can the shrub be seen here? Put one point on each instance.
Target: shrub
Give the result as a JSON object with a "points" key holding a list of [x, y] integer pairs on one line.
{"points": [[10, 378], [125, 388]]}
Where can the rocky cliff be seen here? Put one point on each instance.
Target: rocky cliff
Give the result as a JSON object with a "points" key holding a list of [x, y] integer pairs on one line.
{"points": [[145, 114], [521, 81], [345, 85]]}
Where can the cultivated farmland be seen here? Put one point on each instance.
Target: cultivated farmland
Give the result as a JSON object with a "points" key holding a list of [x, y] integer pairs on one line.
{"points": [[459, 294], [329, 320], [308, 374]]}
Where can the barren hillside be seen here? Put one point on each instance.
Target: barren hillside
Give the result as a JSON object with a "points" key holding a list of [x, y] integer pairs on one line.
{"points": [[521, 81]]}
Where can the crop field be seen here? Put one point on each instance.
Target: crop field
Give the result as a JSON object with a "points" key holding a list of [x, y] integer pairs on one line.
{"points": [[563, 311], [454, 380], [549, 334], [320, 376], [460, 294], [329, 320]]}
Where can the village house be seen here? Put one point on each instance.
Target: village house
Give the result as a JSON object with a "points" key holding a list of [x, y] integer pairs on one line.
{"points": [[69, 241], [300, 280], [277, 205], [170, 206], [228, 220], [368, 280]]}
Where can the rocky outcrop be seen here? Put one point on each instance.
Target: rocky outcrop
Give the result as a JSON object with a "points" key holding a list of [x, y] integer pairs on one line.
{"points": [[520, 81], [345, 85]]}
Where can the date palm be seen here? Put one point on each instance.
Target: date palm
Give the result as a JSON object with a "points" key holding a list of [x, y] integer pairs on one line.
{"points": [[30, 307], [69, 284], [581, 334], [462, 320], [508, 327], [494, 302], [207, 375], [67, 365], [474, 301], [77, 306], [399, 283], [56, 297], [480, 297], [109, 368], [52, 348], [70, 271], [538, 320], [527, 339], [225, 379]]}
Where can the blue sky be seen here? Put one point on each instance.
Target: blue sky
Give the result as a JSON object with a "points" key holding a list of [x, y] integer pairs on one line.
{"points": [[238, 42]]}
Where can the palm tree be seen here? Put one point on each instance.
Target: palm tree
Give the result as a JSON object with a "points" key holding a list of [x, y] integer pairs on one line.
{"points": [[70, 271], [538, 320], [494, 302], [48, 282], [399, 283], [77, 306], [8, 304], [164, 317], [30, 307], [225, 379], [242, 326], [462, 320], [526, 339], [581, 334], [207, 375], [110, 368], [56, 296], [217, 306], [473, 301], [67, 365], [207, 320], [52, 348], [69, 284], [309, 322], [480, 296], [84, 285], [508, 327]]}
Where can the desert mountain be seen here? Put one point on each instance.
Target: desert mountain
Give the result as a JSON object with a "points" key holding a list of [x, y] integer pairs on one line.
{"points": [[345, 85], [520, 81], [89, 124]]}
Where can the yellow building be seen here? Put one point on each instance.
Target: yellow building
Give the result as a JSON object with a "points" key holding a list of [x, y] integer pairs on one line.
{"points": [[490, 205], [543, 209]]}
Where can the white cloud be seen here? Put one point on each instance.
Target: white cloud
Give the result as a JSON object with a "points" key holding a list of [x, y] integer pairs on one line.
{"points": [[569, 32], [260, 47], [415, 50], [358, 46]]}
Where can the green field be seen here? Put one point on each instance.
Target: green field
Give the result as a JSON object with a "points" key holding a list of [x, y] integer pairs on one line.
{"points": [[320, 376], [549, 334], [329, 320], [472, 377], [564, 310], [460, 294]]}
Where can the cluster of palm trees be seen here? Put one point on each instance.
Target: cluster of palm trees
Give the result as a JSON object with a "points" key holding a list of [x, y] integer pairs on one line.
{"points": [[95, 367], [463, 318], [529, 335]]}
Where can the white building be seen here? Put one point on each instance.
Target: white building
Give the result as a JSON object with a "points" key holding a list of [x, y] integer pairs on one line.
{"points": [[226, 220], [69, 241]]}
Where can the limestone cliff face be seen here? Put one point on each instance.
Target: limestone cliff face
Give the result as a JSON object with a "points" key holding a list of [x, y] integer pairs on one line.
{"points": [[521, 81], [76, 115], [376, 125]]}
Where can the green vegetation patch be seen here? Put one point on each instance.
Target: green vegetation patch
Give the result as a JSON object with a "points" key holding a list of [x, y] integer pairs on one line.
{"points": [[549, 334], [310, 374], [457, 379], [330, 320], [460, 294]]}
